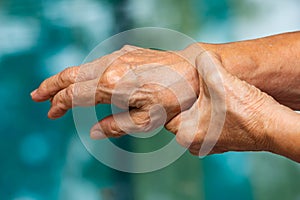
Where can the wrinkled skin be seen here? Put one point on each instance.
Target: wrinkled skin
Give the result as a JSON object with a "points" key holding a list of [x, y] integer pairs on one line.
{"points": [[135, 78], [246, 110], [164, 88]]}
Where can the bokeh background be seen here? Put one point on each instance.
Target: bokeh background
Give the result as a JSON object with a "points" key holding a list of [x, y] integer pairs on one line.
{"points": [[41, 159]]}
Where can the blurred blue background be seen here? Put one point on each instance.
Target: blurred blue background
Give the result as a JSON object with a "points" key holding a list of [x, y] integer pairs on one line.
{"points": [[43, 159]]}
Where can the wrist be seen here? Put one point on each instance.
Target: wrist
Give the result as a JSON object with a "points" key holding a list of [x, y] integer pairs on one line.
{"points": [[237, 59], [256, 61]]}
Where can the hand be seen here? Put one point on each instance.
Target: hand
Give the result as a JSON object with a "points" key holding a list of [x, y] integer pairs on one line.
{"points": [[238, 116], [155, 85]]}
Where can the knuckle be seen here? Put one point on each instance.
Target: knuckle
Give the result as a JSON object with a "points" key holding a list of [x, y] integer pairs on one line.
{"points": [[143, 122], [82, 75], [68, 74], [110, 128], [73, 72], [69, 92], [62, 76], [139, 99], [60, 79], [58, 102], [115, 132], [112, 77], [57, 99], [62, 98], [62, 106]]}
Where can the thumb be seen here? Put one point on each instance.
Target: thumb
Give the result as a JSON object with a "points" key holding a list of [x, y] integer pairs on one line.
{"points": [[185, 125], [211, 70], [214, 76]]}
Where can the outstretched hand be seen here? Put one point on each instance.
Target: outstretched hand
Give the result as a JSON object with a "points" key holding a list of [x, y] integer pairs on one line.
{"points": [[152, 85]]}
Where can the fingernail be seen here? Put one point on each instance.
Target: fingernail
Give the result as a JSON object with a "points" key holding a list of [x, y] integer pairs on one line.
{"points": [[97, 135], [33, 93], [36, 96]]}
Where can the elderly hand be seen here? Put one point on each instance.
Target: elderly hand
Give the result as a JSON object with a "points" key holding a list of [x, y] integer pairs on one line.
{"points": [[162, 87], [231, 115], [155, 85]]}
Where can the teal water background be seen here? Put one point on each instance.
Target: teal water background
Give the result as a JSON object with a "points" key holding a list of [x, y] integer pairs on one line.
{"points": [[42, 159]]}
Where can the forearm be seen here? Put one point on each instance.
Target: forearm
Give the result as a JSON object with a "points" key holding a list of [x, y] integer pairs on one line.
{"points": [[271, 64]]}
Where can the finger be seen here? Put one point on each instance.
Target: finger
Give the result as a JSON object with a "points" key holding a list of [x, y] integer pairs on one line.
{"points": [[68, 76], [134, 121], [186, 125], [211, 69], [214, 77], [195, 129], [96, 91], [55, 83], [86, 93]]}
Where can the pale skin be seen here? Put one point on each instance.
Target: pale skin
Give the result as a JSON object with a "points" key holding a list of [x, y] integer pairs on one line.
{"points": [[256, 80]]}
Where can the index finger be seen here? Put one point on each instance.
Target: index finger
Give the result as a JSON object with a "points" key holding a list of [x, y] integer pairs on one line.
{"points": [[55, 83], [71, 75], [88, 71]]}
